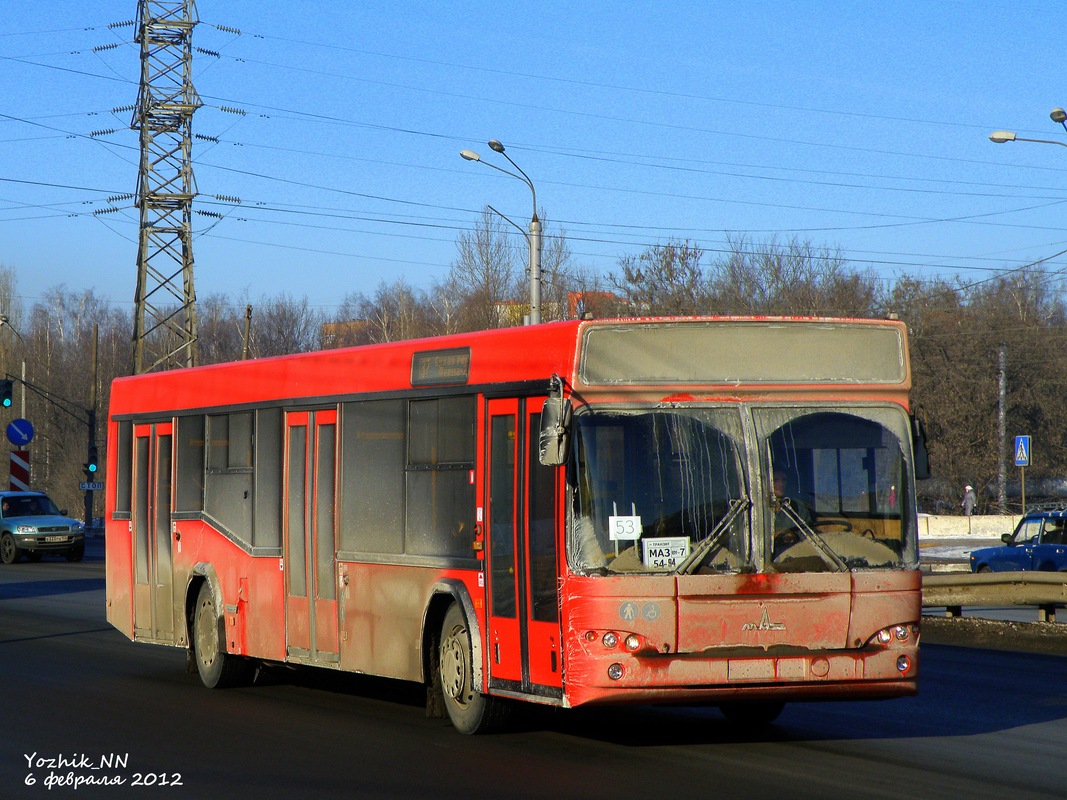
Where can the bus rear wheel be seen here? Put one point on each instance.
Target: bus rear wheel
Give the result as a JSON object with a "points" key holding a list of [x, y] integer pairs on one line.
{"points": [[217, 668], [469, 709]]}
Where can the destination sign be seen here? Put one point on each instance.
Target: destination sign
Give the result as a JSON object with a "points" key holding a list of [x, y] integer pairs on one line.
{"points": [[441, 367]]}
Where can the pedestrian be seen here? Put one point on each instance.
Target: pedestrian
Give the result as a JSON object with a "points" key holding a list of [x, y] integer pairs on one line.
{"points": [[969, 499]]}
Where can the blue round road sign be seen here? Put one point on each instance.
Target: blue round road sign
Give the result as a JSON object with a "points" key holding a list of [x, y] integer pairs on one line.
{"points": [[20, 432]]}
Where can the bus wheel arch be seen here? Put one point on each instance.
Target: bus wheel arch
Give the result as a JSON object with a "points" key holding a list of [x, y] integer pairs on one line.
{"points": [[453, 663], [206, 626], [444, 594], [467, 707]]}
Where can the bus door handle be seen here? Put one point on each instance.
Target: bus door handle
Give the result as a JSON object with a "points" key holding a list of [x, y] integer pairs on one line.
{"points": [[478, 545]]}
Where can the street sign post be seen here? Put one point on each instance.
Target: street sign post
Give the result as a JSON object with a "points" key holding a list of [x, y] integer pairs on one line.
{"points": [[1022, 461], [1022, 451], [20, 432], [19, 480]]}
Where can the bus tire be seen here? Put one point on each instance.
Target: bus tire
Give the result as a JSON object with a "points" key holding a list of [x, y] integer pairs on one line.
{"points": [[469, 710], [217, 668]]}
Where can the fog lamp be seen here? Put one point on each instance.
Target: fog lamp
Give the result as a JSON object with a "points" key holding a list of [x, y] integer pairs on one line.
{"points": [[903, 664], [615, 671]]}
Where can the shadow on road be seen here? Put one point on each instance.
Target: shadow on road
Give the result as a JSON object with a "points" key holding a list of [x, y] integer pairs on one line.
{"points": [[25, 589]]}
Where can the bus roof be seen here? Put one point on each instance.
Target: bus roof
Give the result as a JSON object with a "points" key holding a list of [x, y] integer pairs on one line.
{"points": [[676, 351]]}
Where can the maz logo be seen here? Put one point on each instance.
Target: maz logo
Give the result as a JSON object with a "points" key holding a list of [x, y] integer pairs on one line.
{"points": [[764, 624]]}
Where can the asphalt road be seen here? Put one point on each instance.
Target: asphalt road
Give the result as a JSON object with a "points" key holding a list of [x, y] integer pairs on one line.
{"points": [[77, 695]]}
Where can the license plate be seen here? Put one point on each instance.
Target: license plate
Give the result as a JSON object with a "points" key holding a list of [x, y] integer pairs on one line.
{"points": [[55, 538], [665, 553]]}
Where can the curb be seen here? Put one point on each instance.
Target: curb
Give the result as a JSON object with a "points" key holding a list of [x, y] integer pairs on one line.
{"points": [[1046, 638]]}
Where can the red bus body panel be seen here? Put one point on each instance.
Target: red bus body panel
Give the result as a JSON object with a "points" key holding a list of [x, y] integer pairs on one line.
{"points": [[700, 638]]}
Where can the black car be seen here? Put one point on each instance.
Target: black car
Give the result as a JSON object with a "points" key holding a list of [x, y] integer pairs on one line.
{"points": [[32, 526]]}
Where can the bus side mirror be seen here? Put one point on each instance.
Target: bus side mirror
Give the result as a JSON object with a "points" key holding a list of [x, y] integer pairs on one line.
{"points": [[918, 446], [554, 438]]}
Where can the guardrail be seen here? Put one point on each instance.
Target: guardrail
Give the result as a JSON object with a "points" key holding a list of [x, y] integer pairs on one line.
{"points": [[953, 591]]}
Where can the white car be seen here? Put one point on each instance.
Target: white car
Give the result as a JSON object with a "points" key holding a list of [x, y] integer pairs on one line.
{"points": [[31, 525]]}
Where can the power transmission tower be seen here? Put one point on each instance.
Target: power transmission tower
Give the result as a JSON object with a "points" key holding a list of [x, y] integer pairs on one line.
{"points": [[164, 332]]}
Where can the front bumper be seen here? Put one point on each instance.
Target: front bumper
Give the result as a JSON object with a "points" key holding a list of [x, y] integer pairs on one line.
{"points": [[49, 542]]}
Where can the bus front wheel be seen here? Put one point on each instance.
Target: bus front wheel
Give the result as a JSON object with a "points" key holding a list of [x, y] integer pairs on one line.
{"points": [[469, 709], [218, 669]]}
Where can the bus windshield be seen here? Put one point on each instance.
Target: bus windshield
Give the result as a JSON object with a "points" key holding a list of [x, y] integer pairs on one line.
{"points": [[838, 497], [659, 490], [669, 490]]}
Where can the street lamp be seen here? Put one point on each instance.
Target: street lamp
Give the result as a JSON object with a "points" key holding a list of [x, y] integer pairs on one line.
{"points": [[534, 237], [1057, 115]]}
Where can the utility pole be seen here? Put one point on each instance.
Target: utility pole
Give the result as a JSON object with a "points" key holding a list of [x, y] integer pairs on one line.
{"points": [[246, 337], [1002, 430], [164, 335], [92, 463]]}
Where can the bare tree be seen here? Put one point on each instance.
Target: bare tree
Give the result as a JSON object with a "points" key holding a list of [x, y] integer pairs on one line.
{"points": [[957, 333], [483, 275], [284, 325], [397, 311], [791, 278], [559, 273], [220, 329], [665, 279]]}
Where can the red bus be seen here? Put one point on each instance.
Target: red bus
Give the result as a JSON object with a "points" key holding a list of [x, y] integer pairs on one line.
{"points": [[701, 510]]}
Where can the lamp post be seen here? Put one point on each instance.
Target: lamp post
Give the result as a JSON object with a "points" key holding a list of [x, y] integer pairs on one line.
{"points": [[534, 237], [1058, 115]]}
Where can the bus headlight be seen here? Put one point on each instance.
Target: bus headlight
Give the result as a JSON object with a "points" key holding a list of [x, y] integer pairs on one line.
{"points": [[898, 634], [610, 639]]}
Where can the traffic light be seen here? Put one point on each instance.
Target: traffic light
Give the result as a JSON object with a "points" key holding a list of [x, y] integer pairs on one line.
{"points": [[5, 394], [92, 465]]}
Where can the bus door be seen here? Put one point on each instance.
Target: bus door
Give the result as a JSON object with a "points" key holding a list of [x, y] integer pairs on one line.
{"points": [[311, 621], [523, 631], [153, 606]]}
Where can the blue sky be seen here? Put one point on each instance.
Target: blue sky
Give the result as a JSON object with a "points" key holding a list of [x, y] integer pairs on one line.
{"points": [[856, 125]]}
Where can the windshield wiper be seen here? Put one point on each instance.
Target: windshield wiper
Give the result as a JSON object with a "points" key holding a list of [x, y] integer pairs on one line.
{"points": [[820, 546], [690, 565]]}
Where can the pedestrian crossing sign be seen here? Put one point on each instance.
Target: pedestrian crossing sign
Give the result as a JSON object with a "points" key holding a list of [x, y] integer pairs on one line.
{"points": [[1022, 451]]}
